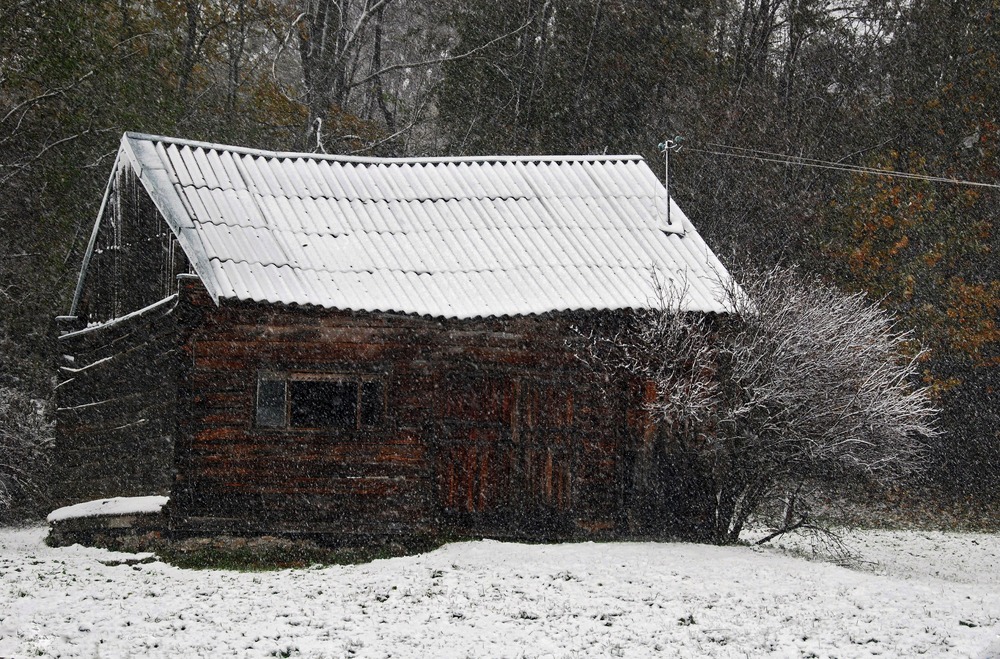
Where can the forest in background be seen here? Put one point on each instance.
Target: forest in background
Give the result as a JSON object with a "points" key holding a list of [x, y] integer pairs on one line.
{"points": [[911, 86]]}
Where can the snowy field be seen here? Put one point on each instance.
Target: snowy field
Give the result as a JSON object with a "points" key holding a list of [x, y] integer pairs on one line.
{"points": [[919, 594]]}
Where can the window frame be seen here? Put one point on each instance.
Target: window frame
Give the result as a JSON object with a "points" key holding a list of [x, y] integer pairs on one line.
{"points": [[287, 376]]}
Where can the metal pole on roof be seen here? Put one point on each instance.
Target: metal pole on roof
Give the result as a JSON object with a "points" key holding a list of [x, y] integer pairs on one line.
{"points": [[666, 147]]}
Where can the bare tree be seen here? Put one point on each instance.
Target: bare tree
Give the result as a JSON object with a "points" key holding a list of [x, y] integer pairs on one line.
{"points": [[368, 66], [342, 51], [802, 382]]}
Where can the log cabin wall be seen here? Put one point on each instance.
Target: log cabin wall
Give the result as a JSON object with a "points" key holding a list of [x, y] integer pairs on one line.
{"points": [[115, 406], [487, 427]]}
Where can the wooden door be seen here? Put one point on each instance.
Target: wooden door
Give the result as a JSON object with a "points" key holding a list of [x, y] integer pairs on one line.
{"points": [[475, 453], [543, 434], [506, 453]]}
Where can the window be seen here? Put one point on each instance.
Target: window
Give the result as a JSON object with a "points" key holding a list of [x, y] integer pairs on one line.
{"points": [[319, 400]]}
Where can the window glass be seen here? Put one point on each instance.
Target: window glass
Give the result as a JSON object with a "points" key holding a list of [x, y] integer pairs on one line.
{"points": [[323, 403], [270, 403], [372, 403], [319, 400]]}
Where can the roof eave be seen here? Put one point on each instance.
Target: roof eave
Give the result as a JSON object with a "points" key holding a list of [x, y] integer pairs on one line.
{"points": [[171, 210], [74, 307], [164, 196]]}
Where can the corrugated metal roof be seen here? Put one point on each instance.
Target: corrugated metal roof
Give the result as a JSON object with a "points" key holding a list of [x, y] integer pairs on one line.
{"points": [[452, 237]]}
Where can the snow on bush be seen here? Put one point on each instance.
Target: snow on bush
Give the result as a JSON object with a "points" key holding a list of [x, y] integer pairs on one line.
{"points": [[800, 383], [25, 444]]}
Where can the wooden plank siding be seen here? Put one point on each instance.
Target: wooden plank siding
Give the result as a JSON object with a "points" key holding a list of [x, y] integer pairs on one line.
{"points": [[116, 407], [491, 428]]}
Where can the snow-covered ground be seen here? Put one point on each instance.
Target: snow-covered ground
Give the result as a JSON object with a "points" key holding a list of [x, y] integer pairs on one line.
{"points": [[920, 594]]}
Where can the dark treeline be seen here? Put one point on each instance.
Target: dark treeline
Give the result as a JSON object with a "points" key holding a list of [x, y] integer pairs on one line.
{"points": [[911, 86]]}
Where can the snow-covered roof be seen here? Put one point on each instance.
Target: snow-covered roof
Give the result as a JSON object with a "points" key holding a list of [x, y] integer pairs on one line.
{"points": [[451, 237]]}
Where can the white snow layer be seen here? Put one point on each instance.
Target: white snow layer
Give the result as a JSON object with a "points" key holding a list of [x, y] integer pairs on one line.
{"points": [[113, 506], [919, 594]]}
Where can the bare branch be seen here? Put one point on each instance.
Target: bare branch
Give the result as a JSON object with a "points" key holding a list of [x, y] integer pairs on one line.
{"points": [[439, 60], [48, 94], [13, 169]]}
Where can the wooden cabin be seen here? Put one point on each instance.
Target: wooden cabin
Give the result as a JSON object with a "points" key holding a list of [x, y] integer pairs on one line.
{"points": [[351, 348]]}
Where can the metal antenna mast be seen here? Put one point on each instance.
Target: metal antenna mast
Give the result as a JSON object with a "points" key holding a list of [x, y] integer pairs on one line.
{"points": [[666, 147]]}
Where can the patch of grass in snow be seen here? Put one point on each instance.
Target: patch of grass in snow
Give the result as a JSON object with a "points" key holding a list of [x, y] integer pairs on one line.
{"points": [[272, 553]]}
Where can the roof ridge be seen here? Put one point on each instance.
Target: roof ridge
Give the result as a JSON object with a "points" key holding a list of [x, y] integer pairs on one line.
{"points": [[446, 270], [376, 161]]}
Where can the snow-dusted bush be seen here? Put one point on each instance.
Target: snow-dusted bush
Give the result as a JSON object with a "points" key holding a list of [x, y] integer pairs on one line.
{"points": [[802, 382], [25, 448], [26, 431]]}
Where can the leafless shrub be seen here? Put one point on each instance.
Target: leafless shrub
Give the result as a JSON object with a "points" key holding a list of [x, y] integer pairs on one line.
{"points": [[25, 447], [800, 382]]}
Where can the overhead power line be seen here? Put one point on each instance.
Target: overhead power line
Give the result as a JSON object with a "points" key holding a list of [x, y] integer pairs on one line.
{"points": [[785, 159]]}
